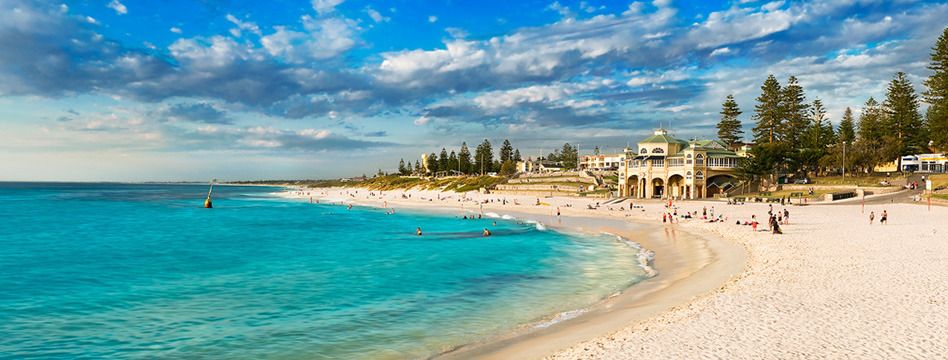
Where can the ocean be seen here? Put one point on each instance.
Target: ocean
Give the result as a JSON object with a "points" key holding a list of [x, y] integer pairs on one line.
{"points": [[143, 271]]}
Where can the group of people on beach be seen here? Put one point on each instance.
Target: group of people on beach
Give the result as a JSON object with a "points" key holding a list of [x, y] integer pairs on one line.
{"points": [[882, 219]]}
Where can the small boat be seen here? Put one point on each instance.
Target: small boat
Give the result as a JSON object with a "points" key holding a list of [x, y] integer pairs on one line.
{"points": [[207, 202]]}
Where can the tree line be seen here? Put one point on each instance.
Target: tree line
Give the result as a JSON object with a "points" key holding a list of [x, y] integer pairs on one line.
{"points": [[482, 161], [794, 136]]}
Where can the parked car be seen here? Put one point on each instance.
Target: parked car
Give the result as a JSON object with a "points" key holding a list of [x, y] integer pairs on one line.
{"points": [[803, 181]]}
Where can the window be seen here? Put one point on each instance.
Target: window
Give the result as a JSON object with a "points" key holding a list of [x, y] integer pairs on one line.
{"points": [[699, 175], [643, 151], [699, 159], [658, 151], [688, 175], [675, 162], [658, 162]]}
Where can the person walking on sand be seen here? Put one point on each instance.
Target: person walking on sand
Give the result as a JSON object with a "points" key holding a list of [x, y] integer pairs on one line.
{"points": [[872, 216], [557, 211], [786, 217], [884, 219]]}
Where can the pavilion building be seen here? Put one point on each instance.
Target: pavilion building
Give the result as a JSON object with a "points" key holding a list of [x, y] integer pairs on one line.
{"points": [[662, 166]]}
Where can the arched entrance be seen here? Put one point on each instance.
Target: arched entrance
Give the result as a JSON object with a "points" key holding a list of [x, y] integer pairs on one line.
{"points": [[658, 188], [676, 186], [632, 186], [719, 184]]}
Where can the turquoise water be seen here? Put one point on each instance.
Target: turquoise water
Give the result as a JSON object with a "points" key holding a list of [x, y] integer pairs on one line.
{"points": [[142, 271]]}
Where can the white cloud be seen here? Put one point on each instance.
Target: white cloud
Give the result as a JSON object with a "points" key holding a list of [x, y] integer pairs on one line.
{"points": [[325, 6], [432, 18], [375, 15], [175, 30], [422, 120], [242, 26], [720, 51], [324, 38], [118, 7]]}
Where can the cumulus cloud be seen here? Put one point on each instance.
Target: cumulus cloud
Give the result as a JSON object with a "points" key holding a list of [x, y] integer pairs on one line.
{"points": [[325, 6], [375, 15], [118, 7]]}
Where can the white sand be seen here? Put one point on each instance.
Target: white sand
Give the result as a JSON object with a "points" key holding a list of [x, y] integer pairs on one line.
{"points": [[832, 286]]}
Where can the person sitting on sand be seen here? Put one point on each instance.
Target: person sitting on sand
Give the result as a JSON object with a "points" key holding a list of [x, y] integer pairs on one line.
{"points": [[418, 231], [486, 232]]}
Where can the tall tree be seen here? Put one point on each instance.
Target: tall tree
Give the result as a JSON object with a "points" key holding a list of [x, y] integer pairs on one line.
{"points": [[569, 156], [484, 157], [453, 162], [516, 155], [443, 161], [936, 94], [903, 123], [795, 112], [401, 167], [869, 151], [768, 112], [418, 168], [464, 158], [433, 164], [729, 128], [847, 127], [506, 151], [817, 137]]}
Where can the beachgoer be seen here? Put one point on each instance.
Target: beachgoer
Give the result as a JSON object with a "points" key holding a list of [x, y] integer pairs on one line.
{"points": [[349, 207], [557, 211], [664, 217], [884, 218], [872, 216], [486, 232], [418, 231], [786, 216]]}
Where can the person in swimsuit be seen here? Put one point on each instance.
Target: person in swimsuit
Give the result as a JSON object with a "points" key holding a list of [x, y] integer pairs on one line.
{"points": [[418, 231], [872, 216], [486, 232], [885, 217]]}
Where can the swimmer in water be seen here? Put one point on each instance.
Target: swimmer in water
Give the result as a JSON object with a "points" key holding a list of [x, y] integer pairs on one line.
{"points": [[418, 231], [349, 207], [495, 223], [486, 232]]}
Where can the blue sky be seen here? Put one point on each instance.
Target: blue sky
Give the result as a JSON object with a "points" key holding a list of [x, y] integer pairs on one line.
{"points": [[189, 90]]}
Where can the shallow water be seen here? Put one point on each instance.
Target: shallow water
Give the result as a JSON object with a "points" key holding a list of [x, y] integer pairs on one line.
{"points": [[142, 271]]}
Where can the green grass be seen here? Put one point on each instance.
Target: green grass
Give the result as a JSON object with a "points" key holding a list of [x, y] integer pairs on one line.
{"points": [[859, 180]]}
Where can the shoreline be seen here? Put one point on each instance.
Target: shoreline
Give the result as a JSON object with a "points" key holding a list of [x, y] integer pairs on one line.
{"points": [[689, 265]]}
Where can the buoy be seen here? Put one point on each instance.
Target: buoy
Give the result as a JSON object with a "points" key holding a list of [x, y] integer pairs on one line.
{"points": [[207, 202]]}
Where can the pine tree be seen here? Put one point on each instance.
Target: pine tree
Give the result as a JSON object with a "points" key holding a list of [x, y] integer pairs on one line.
{"points": [[483, 157], [729, 128], [596, 150], [816, 138], [768, 112], [418, 168], [464, 158], [516, 155], [443, 161], [847, 127], [569, 156], [433, 164], [453, 161], [506, 151], [401, 167], [869, 142], [937, 93], [903, 123], [795, 111]]}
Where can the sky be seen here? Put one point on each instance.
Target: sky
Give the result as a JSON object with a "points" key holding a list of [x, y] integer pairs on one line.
{"points": [[123, 90]]}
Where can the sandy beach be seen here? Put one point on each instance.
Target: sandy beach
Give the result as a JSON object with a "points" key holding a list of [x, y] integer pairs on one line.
{"points": [[830, 286]]}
